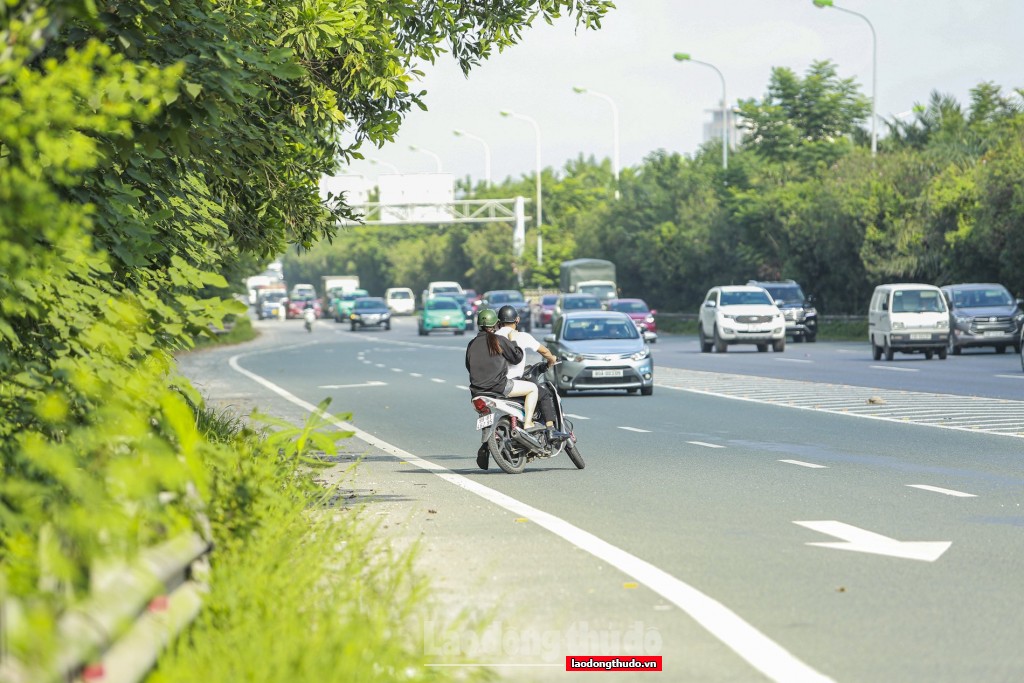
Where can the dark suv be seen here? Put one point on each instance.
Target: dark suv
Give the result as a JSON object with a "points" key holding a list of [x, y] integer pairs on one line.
{"points": [[801, 317], [510, 297]]}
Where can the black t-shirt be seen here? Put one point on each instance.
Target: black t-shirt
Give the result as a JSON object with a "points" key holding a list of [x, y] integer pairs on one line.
{"points": [[487, 372]]}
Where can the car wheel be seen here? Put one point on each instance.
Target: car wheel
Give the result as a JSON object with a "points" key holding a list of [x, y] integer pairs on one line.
{"points": [[779, 346], [705, 345], [876, 350], [352, 328], [887, 350], [952, 347], [810, 337], [798, 338], [942, 354], [387, 325], [459, 333], [929, 354], [647, 391], [421, 331], [762, 348], [720, 346], [1001, 348]]}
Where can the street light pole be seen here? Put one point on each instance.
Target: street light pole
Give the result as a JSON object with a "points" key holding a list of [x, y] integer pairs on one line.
{"points": [[487, 152], [615, 130], [874, 68], [437, 159], [540, 212], [685, 57], [394, 169]]}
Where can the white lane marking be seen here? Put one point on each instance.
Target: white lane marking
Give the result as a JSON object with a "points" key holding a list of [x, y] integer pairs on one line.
{"points": [[373, 383], [435, 379], [397, 370], [705, 444], [757, 649], [805, 464], [887, 367], [948, 492], [379, 365], [792, 360], [462, 386], [1020, 376], [634, 429], [576, 417], [415, 374], [864, 541]]}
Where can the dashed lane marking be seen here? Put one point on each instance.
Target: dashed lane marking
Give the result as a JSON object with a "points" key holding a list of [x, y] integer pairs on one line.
{"points": [[892, 369], [576, 417], [936, 489], [634, 429], [801, 463], [705, 444]]}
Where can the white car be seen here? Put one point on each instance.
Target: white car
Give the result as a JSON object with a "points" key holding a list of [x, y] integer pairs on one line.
{"points": [[400, 300], [740, 315]]}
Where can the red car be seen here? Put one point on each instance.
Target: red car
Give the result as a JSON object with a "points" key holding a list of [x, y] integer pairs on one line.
{"points": [[543, 311], [297, 306], [640, 313]]}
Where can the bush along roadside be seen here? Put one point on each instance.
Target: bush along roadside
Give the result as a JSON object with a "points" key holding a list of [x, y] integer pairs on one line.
{"points": [[300, 591]]}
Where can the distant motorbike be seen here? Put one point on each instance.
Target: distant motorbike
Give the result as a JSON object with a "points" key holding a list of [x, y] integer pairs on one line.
{"points": [[512, 447], [309, 315]]}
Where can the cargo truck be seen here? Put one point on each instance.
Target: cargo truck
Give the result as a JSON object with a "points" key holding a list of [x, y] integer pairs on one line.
{"points": [[589, 276]]}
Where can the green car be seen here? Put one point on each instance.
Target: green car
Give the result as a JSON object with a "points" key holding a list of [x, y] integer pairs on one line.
{"points": [[442, 313], [344, 304]]}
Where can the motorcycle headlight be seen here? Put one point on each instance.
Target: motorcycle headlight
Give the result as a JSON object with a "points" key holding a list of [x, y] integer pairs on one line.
{"points": [[640, 355]]}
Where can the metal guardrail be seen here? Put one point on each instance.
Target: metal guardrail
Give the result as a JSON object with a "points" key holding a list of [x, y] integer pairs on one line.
{"points": [[117, 633]]}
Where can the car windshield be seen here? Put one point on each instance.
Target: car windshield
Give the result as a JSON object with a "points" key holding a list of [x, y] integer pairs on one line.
{"points": [[746, 298], [444, 305], [787, 294], [629, 306], [598, 290], [978, 298], [505, 298], [581, 303], [370, 303], [352, 296], [549, 300], [917, 301], [400, 295], [447, 290], [274, 296], [579, 329]]}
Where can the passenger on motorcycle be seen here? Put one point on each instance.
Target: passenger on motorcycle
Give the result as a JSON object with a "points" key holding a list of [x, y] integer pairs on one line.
{"points": [[488, 357], [508, 321]]}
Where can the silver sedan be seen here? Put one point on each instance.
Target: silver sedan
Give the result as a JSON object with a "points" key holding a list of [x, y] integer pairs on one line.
{"points": [[600, 350]]}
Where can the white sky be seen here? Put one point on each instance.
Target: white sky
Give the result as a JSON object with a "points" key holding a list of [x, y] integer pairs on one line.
{"points": [[923, 45]]}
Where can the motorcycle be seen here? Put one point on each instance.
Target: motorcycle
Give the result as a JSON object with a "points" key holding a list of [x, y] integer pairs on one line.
{"points": [[511, 446], [309, 315]]}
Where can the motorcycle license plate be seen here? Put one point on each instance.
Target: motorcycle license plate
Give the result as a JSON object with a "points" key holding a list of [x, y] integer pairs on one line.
{"points": [[485, 421], [607, 373]]}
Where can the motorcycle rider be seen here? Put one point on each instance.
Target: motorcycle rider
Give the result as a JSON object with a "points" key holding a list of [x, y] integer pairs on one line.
{"points": [[309, 315], [487, 359], [508, 322]]}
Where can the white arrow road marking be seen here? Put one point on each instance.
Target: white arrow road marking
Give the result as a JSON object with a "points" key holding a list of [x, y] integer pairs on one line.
{"points": [[805, 464], [760, 651], [372, 383], [864, 541], [948, 492], [634, 429], [576, 417], [705, 444]]}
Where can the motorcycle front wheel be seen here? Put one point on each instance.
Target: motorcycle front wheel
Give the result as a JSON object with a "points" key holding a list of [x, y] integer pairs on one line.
{"points": [[574, 454], [506, 452]]}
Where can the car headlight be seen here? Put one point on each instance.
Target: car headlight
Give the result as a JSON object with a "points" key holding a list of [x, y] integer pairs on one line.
{"points": [[640, 355], [898, 326], [354, 316], [571, 357], [942, 324], [649, 319], [810, 313], [728, 316], [962, 320]]}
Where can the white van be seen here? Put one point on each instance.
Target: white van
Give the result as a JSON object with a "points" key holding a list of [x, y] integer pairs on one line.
{"points": [[400, 300], [909, 318]]}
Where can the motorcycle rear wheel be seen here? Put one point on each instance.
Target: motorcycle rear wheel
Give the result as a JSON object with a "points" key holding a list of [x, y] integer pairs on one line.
{"points": [[504, 450]]}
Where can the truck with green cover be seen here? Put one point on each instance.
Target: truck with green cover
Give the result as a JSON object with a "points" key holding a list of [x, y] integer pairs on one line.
{"points": [[589, 276]]}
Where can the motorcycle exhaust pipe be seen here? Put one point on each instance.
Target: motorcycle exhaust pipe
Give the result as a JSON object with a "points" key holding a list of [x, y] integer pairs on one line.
{"points": [[524, 437]]}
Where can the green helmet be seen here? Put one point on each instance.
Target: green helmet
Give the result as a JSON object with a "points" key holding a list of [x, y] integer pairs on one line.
{"points": [[487, 317]]}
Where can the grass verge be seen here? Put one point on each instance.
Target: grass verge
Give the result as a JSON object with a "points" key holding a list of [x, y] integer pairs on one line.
{"points": [[300, 591]]}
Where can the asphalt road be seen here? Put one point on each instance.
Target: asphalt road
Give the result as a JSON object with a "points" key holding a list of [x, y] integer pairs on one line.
{"points": [[720, 495]]}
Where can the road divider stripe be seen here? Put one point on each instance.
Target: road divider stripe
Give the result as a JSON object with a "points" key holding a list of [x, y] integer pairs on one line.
{"points": [[415, 374], [801, 463], [936, 489], [439, 381], [891, 369], [576, 417], [705, 444], [762, 653], [462, 386], [793, 360], [634, 429]]}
